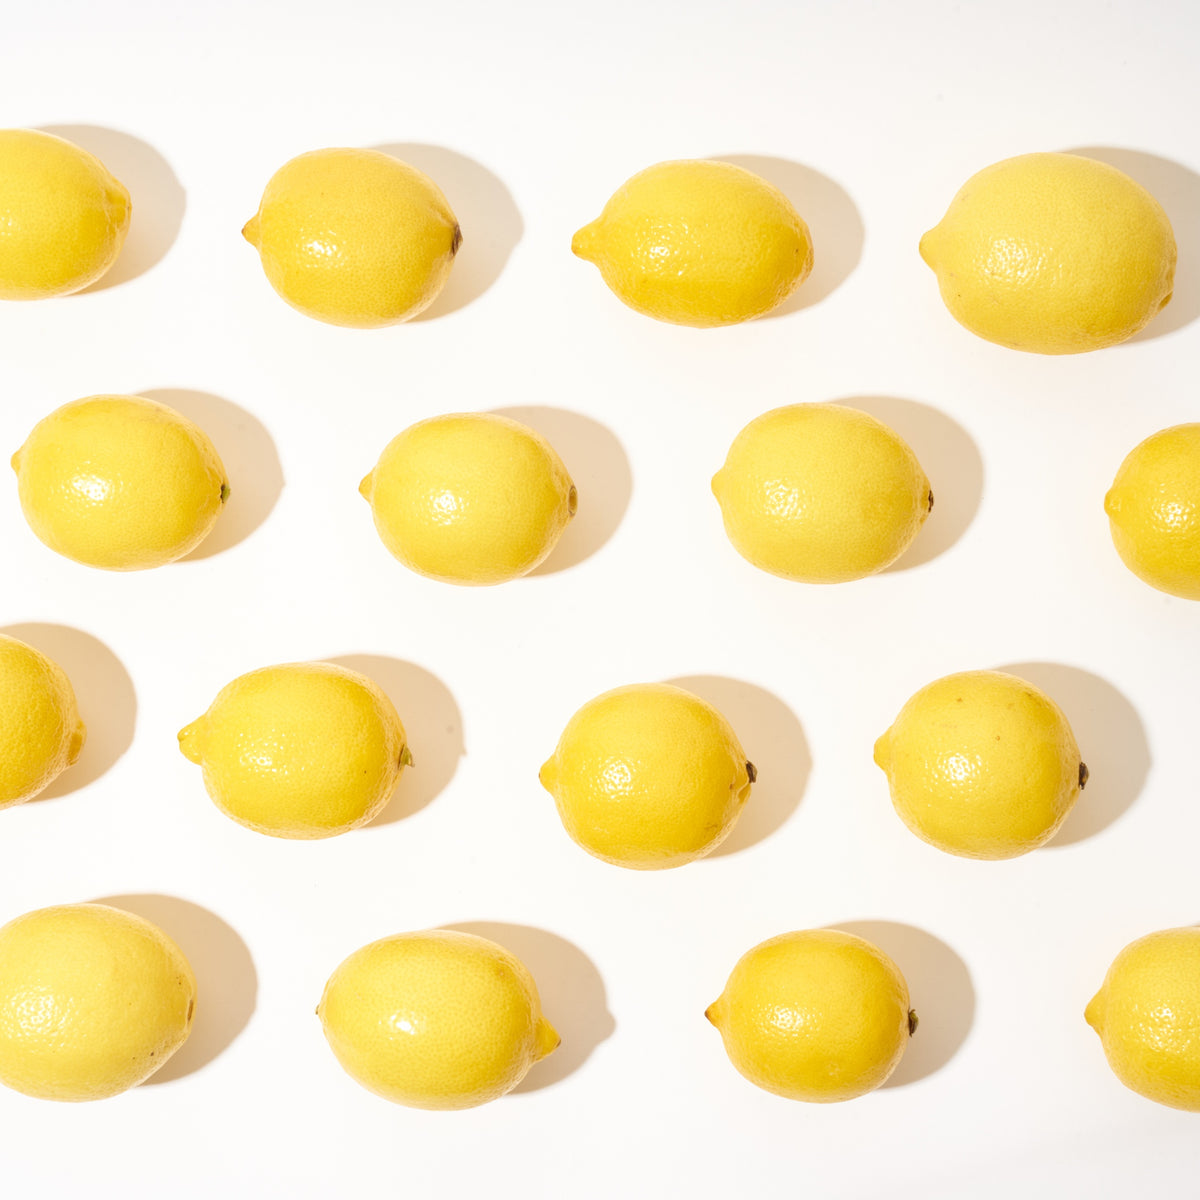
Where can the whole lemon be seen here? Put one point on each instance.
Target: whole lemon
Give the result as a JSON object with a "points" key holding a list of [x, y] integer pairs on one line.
{"points": [[354, 237], [63, 217], [1153, 511], [41, 734], [471, 498], [437, 1019], [302, 750], [1147, 1014], [982, 764], [818, 1015], [120, 482], [93, 1000], [648, 776], [821, 493], [1053, 253], [697, 242]]}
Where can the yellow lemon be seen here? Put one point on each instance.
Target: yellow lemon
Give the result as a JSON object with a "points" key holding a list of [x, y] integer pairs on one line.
{"points": [[698, 242], [93, 1000], [302, 750], [821, 493], [818, 1015], [471, 498], [1153, 511], [437, 1019], [354, 237], [41, 734], [63, 217], [982, 764], [120, 482], [1053, 253], [1147, 1014], [648, 776]]}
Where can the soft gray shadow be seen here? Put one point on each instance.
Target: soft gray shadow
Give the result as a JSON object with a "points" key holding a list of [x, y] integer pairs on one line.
{"points": [[487, 214], [226, 981], [571, 992], [158, 200], [948, 457], [600, 471], [774, 742], [250, 458], [831, 217], [1111, 740], [431, 722], [939, 990], [103, 691], [1177, 189]]}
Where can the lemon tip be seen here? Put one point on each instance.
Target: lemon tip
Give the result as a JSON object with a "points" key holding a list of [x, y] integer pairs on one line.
{"points": [[583, 243], [250, 231]]}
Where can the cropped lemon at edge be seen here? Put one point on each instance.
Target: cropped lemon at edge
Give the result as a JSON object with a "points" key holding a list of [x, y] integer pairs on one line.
{"points": [[470, 498], [821, 493], [63, 216], [698, 242], [816, 1015], [1153, 511], [982, 764], [300, 750], [1053, 254], [648, 776], [120, 482], [93, 1000], [354, 237], [436, 1019]]}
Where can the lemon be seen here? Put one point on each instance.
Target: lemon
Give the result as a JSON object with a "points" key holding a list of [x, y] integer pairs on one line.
{"points": [[120, 482], [697, 242], [302, 750], [1153, 511], [648, 776], [821, 493], [982, 764], [93, 1000], [818, 1015], [354, 237], [437, 1019], [1053, 253], [470, 498], [63, 217], [1147, 1014]]}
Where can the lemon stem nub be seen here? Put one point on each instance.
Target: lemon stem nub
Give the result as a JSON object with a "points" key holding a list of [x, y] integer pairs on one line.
{"points": [[1084, 775], [930, 509], [752, 772], [456, 240], [913, 1021], [224, 492]]}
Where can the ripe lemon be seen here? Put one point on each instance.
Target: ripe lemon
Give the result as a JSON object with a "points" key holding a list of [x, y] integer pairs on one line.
{"points": [[472, 498], [354, 237], [1053, 253], [93, 1000], [982, 764], [1153, 511], [697, 242], [63, 217], [1147, 1014], [438, 1019], [303, 750], [120, 482], [818, 1015], [821, 493], [648, 776], [41, 734]]}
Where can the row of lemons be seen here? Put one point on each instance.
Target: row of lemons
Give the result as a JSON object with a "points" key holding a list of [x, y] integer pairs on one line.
{"points": [[1050, 253]]}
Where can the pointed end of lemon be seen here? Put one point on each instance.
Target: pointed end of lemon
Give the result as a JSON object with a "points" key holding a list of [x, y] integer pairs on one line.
{"points": [[367, 487], [583, 244], [191, 741], [548, 1039], [77, 743], [15, 461], [883, 751], [1094, 1013], [456, 239], [250, 231], [712, 1014], [572, 502], [717, 484], [406, 758], [913, 1021], [1112, 505], [548, 775], [927, 247]]}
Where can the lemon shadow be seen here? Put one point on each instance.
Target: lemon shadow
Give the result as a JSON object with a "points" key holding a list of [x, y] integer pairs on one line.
{"points": [[226, 981], [103, 691]]}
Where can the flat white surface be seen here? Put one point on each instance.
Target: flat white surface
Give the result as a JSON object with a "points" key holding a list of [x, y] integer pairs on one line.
{"points": [[870, 115]]}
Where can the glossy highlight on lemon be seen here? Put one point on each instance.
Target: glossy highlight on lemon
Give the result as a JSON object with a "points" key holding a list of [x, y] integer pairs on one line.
{"points": [[301, 750], [437, 1019], [354, 237], [698, 242]]}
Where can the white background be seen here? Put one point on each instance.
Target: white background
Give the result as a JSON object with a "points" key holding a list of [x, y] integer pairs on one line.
{"points": [[870, 116]]}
